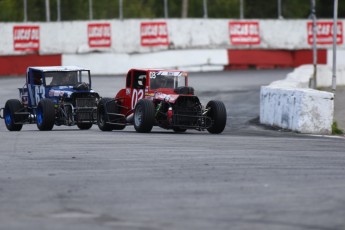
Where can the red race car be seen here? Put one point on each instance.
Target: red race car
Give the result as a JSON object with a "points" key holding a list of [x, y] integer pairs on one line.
{"points": [[159, 98]]}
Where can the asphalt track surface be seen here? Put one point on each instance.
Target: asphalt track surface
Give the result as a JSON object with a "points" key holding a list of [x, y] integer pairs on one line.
{"points": [[249, 177]]}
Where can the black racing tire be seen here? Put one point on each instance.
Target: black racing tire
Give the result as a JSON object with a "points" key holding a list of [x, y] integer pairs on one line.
{"points": [[12, 106], [144, 116], [45, 115], [84, 126], [102, 117], [179, 130], [118, 127], [217, 113]]}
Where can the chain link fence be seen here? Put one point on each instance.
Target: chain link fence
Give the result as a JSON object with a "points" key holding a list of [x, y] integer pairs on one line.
{"points": [[67, 10], [122, 9]]}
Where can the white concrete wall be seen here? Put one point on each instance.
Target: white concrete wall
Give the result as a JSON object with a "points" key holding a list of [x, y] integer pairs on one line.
{"points": [[290, 104], [340, 58], [188, 60], [71, 37]]}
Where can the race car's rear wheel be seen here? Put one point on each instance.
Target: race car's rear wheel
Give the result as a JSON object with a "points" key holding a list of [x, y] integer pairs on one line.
{"points": [[217, 113], [84, 126], [144, 116], [105, 107], [12, 106], [45, 115]]}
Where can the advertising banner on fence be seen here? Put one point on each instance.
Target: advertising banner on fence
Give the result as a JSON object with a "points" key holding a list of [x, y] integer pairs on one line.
{"points": [[324, 32], [99, 35], [26, 38], [244, 32], [154, 34]]}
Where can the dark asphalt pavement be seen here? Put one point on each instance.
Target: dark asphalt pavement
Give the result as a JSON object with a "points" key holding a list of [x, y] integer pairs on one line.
{"points": [[248, 177]]}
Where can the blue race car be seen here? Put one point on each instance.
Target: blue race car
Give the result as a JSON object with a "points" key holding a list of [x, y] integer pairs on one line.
{"points": [[54, 95]]}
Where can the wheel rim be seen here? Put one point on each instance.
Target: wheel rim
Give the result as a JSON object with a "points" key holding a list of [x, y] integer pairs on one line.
{"points": [[138, 115], [8, 118], [39, 116]]}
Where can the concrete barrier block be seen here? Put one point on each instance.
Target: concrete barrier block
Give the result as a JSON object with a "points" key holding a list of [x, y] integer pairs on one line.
{"points": [[324, 75], [301, 75], [317, 112], [278, 106], [300, 110], [340, 76], [287, 84]]}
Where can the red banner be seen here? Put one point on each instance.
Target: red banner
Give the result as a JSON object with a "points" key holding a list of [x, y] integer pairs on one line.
{"points": [[99, 35], [154, 34], [244, 32], [324, 32], [26, 38]]}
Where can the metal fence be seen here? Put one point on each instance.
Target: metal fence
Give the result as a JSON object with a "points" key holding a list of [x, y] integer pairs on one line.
{"points": [[67, 10], [165, 9]]}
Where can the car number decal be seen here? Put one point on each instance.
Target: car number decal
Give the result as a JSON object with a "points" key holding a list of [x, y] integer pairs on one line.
{"points": [[153, 75], [39, 93], [136, 96]]}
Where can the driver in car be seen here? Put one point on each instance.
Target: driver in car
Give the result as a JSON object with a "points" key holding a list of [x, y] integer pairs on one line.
{"points": [[69, 79], [158, 82]]}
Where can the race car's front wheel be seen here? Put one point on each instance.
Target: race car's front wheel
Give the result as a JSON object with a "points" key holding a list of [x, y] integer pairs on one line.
{"points": [[45, 115], [84, 126], [11, 107], [217, 113], [144, 116]]}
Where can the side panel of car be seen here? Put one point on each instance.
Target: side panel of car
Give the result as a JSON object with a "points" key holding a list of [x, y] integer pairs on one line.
{"points": [[35, 87], [134, 91], [138, 86], [123, 96], [122, 99]]}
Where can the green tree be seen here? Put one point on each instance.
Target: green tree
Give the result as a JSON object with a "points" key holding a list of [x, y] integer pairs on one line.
{"points": [[324, 9], [260, 9], [74, 10], [9, 10], [224, 9], [294, 9], [105, 9], [139, 8]]}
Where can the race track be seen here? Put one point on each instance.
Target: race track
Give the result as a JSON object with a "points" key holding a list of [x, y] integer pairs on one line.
{"points": [[249, 177]]}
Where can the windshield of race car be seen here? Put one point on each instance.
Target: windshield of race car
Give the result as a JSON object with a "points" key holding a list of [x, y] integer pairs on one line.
{"points": [[67, 78], [165, 79]]}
